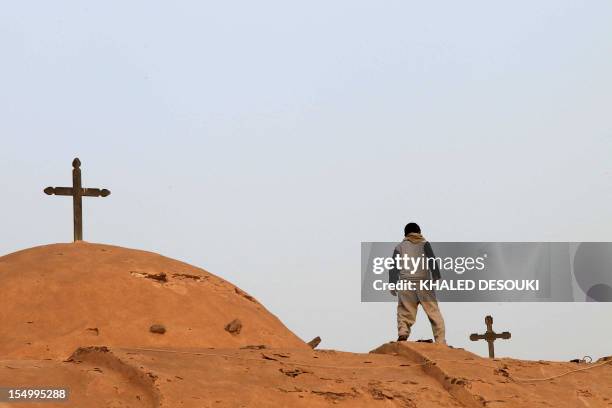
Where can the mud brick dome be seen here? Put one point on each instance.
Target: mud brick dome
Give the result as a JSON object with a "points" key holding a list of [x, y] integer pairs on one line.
{"points": [[56, 298]]}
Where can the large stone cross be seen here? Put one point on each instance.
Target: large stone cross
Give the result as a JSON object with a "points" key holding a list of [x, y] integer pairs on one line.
{"points": [[490, 336], [77, 192]]}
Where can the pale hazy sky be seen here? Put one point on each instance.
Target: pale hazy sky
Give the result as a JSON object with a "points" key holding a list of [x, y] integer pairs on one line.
{"points": [[265, 140]]}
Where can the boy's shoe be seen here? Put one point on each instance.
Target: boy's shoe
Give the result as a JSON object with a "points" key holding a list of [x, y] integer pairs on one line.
{"points": [[403, 337]]}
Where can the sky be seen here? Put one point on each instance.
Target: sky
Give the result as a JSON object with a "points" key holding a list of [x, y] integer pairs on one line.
{"points": [[264, 141]]}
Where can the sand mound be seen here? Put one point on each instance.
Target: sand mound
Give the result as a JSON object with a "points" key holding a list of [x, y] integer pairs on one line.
{"points": [[56, 298], [143, 330], [394, 375]]}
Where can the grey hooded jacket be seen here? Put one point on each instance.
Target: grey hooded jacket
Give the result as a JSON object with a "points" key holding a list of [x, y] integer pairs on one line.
{"points": [[414, 250]]}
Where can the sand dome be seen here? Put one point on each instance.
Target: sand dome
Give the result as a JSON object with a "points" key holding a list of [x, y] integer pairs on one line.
{"points": [[58, 297]]}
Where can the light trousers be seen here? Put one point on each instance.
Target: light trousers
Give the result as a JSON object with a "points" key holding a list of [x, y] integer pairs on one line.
{"points": [[407, 306]]}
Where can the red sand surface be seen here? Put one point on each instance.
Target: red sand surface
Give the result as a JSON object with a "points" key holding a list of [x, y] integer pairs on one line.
{"points": [[55, 298], [78, 316]]}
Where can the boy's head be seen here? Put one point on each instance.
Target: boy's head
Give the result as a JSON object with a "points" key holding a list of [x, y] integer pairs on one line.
{"points": [[411, 227]]}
